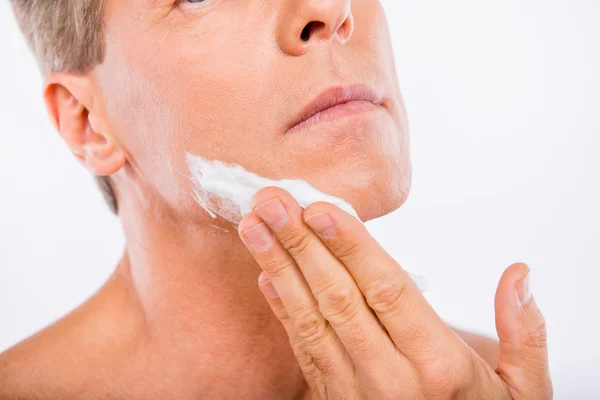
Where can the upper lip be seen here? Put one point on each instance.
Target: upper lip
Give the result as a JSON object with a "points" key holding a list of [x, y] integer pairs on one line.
{"points": [[334, 96]]}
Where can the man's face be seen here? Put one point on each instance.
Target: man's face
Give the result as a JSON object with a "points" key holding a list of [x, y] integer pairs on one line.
{"points": [[225, 78]]}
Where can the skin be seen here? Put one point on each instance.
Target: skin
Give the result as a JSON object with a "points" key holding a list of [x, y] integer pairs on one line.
{"points": [[182, 316], [360, 327]]}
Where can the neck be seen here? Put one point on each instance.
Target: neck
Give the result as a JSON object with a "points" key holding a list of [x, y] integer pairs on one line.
{"points": [[198, 292]]}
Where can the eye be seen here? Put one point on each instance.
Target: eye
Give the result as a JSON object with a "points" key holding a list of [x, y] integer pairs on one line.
{"points": [[194, 6]]}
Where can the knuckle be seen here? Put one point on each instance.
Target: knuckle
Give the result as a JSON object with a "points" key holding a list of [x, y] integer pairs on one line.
{"points": [[326, 364], [437, 370], [444, 378], [310, 326], [339, 304], [277, 267], [348, 251], [312, 367], [296, 242], [385, 296], [281, 314], [301, 354]]}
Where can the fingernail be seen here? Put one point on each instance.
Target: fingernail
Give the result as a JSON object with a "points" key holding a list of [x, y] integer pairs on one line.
{"points": [[266, 286], [524, 290], [321, 224], [259, 236], [273, 212]]}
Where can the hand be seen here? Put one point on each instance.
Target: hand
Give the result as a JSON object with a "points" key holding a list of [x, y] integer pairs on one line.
{"points": [[361, 329]]}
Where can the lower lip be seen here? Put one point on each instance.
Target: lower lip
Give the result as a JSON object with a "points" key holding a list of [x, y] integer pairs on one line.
{"points": [[335, 113]]}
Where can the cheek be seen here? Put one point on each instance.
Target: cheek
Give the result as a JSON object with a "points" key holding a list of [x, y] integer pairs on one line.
{"points": [[143, 117], [196, 97]]}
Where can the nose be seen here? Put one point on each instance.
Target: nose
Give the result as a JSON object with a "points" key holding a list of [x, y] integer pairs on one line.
{"points": [[303, 23]]}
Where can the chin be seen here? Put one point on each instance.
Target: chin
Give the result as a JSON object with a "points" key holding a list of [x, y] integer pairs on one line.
{"points": [[375, 185], [385, 195], [391, 184]]}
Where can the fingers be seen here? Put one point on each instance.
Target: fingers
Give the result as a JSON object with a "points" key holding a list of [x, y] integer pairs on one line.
{"points": [[315, 344], [412, 324], [311, 373], [338, 299], [324, 381], [523, 358]]}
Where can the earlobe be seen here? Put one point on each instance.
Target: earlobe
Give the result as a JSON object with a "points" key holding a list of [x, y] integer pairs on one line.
{"points": [[70, 101], [103, 159]]}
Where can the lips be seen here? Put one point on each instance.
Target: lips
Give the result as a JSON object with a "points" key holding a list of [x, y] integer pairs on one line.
{"points": [[335, 103]]}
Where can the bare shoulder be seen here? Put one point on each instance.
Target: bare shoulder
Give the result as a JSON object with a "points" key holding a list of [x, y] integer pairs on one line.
{"points": [[73, 357], [33, 368]]}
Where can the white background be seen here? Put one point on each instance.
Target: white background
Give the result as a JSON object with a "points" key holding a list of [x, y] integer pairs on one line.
{"points": [[503, 100]]}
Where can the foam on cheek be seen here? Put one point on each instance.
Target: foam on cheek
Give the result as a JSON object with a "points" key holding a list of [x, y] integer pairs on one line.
{"points": [[226, 190]]}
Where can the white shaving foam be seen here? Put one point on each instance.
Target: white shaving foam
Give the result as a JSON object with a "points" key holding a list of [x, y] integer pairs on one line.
{"points": [[226, 190]]}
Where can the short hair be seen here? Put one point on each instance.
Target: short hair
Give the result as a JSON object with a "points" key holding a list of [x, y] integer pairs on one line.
{"points": [[66, 36]]}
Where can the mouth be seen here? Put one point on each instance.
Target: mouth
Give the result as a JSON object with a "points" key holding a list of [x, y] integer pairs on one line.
{"points": [[336, 103]]}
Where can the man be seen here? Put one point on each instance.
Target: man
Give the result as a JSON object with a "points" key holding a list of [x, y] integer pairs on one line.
{"points": [[287, 89]]}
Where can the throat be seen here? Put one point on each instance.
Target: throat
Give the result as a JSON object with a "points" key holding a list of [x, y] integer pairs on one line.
{"points": [[206, 324]]}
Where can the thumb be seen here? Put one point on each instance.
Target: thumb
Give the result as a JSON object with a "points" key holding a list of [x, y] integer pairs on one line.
{"points": [[523, 358]]}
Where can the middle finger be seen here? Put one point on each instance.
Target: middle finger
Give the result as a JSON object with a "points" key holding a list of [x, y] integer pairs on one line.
{"points": [[339, 298]]}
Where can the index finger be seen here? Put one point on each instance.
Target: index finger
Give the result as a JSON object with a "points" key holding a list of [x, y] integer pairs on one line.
{"points": [[413, 325]]}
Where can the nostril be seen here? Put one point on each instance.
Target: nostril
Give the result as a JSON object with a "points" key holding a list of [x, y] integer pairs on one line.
{"points": [[305, 35], [310, 29]]}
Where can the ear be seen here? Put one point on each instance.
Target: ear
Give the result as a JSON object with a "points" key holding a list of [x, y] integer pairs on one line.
{"points": [[78, 115]]}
